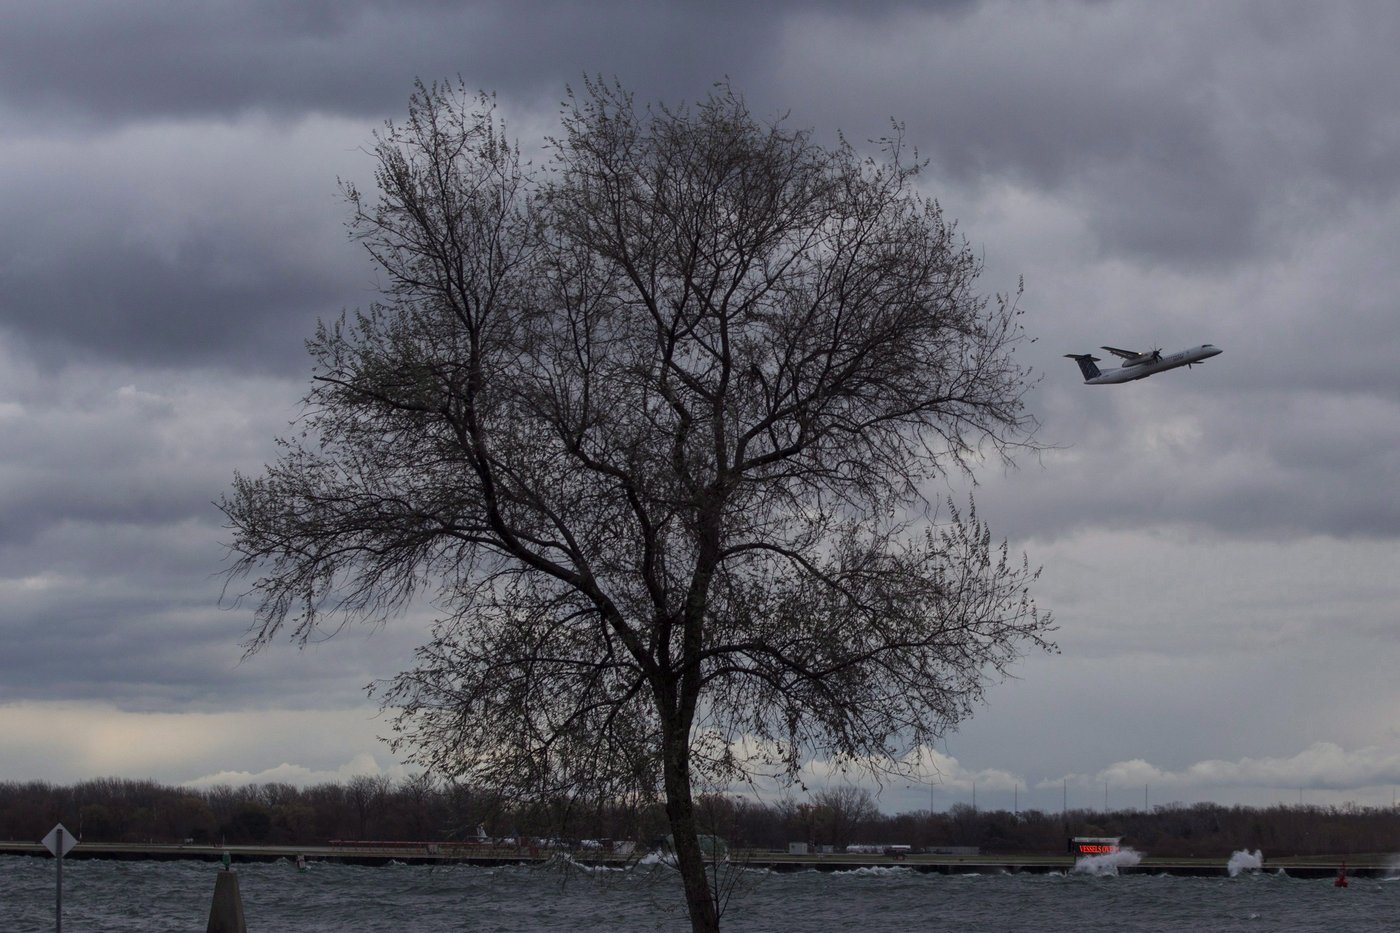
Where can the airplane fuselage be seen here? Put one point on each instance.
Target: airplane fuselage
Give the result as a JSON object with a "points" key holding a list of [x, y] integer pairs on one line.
{"points": [[1151, 365]]}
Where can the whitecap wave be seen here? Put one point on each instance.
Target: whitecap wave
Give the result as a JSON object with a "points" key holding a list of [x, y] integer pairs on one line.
{"points": [[1245, 860], [1108, 863], [875, 871], [652, 859], [568, 862]]}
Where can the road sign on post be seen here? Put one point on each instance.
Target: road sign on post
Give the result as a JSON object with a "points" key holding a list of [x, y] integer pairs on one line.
{"points": [[59, 841]]}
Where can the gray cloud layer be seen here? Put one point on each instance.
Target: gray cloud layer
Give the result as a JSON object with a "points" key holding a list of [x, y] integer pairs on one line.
{"points": [[171, 229]]}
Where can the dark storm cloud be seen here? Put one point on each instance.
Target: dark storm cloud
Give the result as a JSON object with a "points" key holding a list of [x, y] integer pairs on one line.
{"points": [[179, 244], [1162, 174], [164, 204], [215, 301], [120, 640], [110, 552], [110, 546], [1188, 131], [100, 62], [1198, 450], [93, 638], [131, 61], [128, 613]]}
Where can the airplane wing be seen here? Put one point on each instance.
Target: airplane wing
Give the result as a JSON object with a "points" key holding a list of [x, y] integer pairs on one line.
{"points": [[1133, 357]]}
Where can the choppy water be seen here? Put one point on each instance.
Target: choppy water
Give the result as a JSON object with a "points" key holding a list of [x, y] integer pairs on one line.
{"points": [[154, 897]]}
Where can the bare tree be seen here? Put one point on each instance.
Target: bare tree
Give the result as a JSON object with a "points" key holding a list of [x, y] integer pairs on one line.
{"points": [[367, 794], [844, 810], [421, 798], [651, 425]]}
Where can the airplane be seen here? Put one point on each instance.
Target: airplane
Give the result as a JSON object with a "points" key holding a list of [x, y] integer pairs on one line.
{"points": [[1139, 365]]}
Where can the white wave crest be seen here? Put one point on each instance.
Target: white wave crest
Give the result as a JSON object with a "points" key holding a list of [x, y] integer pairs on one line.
{"points": [[1245, 860], [657, 858], [876, 871], [568, 862], [1108, 863]]}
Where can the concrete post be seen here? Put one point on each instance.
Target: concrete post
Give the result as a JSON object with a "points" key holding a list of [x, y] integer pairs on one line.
{"points": [[226, 913]]}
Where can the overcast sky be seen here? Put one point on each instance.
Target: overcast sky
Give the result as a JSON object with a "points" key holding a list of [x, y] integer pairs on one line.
{"points": [[1219, 545]]}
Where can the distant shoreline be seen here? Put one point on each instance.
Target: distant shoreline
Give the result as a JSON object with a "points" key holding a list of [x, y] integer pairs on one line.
{"points": [[1362, 866]]}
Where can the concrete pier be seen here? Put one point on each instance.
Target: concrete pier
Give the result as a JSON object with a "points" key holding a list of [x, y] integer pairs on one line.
{"points": [[1317, 866]]}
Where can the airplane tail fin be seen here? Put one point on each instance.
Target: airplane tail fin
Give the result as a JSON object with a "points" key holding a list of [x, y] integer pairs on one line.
{"points": [[1086, 363]]}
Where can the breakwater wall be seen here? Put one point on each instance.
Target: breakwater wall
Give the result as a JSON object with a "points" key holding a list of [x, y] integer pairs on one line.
{"points": [[445, 853]]}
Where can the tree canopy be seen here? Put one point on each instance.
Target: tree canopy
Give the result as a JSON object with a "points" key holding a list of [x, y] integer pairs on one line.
{"points": [[652, 424]]}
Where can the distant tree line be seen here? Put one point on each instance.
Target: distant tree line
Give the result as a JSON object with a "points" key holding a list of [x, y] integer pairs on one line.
{"points": [[421, 810]]}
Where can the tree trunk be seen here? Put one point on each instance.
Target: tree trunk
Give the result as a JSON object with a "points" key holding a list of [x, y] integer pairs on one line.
{"points": [[685, 834]]}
